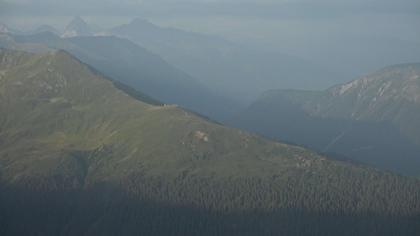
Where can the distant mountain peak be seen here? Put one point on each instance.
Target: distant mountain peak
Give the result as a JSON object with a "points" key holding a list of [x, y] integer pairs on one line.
{"points": [[46, 28], [140, 22], [77, 27], [77, 21], [138, 26], [4, 28]]}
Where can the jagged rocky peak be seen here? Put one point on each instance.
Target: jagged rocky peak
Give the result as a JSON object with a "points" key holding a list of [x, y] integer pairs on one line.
{"points": [[77, 27], [4, 28]]}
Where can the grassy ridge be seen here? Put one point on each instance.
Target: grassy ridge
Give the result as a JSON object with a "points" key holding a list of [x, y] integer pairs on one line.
{"points": [[80, 156]]}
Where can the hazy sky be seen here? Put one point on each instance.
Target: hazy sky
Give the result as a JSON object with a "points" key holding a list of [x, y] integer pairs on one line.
{"points": [[261, 9], [234, 18], [306, 28]]}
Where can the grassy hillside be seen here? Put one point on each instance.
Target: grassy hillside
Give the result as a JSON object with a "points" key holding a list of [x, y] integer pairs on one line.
{"points": [[131, 64], [79, 155]]}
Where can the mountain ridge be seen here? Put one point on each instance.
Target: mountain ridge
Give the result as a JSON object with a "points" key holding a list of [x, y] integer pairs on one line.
{"points": [[77, 27], [78, 153], [385, 102], [220, 64], [133, 65]]}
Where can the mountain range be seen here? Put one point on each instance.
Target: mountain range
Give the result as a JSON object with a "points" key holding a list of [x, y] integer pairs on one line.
{"points": [[122, 132], [358, 125], [374, 119], [222, 65], [81, 154]]}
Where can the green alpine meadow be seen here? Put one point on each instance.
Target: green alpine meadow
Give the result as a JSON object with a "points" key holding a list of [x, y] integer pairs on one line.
{"points": [[82, 155]]}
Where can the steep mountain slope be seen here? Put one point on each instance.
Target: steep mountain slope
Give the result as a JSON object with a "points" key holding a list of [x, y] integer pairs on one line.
{"points": [[80, 156], [4, 28], [374, 119], [391, 95], [225, 66], [128, 63]]}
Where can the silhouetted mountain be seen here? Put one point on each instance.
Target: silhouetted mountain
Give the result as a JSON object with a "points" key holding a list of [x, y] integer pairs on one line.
{"points": [[46, 28], [224, 66], [77, 27], [375, 119]]}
